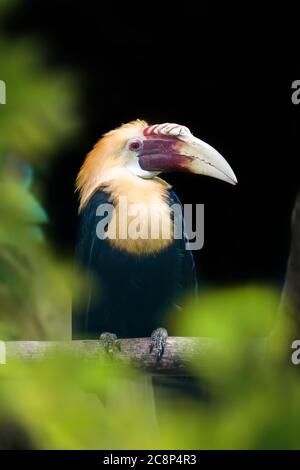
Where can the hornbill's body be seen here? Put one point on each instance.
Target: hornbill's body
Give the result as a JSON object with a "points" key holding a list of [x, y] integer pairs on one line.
{"points": [[134, 282], [129, 294]]}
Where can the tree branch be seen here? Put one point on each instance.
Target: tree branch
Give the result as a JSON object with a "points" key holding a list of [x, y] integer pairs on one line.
{"points": [[179, 355]]}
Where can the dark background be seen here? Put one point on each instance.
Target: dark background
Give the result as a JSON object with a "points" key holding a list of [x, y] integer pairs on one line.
{"points": [[228, 81]]}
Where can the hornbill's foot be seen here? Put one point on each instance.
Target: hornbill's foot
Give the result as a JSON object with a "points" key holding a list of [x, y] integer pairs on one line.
{"points": [[158, 342], [110, 342]]}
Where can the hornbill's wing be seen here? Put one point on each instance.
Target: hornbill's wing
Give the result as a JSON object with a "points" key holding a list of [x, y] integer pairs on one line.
{"points": [[188, 274]]}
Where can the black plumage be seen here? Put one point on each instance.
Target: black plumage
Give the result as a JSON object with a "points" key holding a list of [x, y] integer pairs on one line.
{"points": [[129, 295]]}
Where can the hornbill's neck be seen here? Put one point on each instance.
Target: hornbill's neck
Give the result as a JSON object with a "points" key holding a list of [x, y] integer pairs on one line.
{"points": [[142, 204]]}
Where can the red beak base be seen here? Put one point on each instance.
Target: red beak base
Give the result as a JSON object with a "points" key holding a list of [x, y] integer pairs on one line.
{"points": [[162, 154]]}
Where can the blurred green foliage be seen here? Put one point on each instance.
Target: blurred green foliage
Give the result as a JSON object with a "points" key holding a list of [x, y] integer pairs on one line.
{"points": [[6, 6], [62, 403], [254, 400], [38, 119], [40, 111]]}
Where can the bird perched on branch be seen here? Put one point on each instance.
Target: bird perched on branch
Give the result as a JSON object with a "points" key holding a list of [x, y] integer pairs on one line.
{"points": [[137, 268]]}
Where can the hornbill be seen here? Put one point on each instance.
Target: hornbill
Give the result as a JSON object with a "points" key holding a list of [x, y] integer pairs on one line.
{"points": [[134, 281]]}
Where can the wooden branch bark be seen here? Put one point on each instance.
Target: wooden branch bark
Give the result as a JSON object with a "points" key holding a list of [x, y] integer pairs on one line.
{"points": [[179, 354]]}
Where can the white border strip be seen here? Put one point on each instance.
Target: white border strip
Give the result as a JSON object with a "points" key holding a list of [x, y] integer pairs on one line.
{"points": [[2, 352], [2, 92]]}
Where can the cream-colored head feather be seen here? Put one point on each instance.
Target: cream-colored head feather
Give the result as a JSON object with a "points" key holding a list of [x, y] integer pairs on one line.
{"points": [[106, 160]]}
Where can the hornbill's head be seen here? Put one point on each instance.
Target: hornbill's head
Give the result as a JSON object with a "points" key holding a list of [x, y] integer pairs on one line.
{"points": [[145, 151]]}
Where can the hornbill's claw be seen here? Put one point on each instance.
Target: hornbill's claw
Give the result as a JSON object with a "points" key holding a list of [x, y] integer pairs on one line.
{"points": [[110, 342], [158, 342]]}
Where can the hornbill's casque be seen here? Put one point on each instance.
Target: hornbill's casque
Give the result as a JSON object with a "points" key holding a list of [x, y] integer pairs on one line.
{"points": [[134, 281]]}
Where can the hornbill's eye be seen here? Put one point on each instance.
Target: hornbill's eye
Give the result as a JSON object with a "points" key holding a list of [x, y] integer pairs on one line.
{"points": [[135, 145]]}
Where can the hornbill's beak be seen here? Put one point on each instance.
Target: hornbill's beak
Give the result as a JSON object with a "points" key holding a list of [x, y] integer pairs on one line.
{"points": [[170, 147]]}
